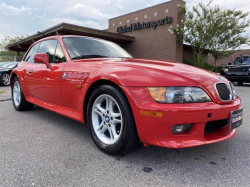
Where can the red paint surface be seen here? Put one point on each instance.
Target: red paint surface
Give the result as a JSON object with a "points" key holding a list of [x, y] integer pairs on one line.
{"points": [[42, 58], [75, 76], [46, 88]]}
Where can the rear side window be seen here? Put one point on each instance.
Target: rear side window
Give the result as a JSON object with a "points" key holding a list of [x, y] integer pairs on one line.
{"points": [[48, 47], [59, 56], [31, 54]]}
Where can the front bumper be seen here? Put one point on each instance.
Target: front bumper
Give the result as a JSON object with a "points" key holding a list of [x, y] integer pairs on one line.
{"points": [[238, 78], [157, 130]]}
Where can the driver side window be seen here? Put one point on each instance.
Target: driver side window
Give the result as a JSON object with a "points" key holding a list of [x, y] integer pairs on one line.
{"points": [[31, 54], [54, 50], [48, 47]]}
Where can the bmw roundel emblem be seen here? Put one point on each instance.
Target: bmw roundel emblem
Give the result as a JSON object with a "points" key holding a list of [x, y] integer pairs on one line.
{"points": [[64, 75], [107, 119]]}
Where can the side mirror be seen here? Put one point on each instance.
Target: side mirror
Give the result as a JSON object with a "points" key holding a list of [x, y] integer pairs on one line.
{"points": [[43, 59], [229, 63]]}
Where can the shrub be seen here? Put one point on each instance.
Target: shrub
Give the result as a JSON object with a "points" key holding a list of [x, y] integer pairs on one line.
{"points": [[200, 63]]}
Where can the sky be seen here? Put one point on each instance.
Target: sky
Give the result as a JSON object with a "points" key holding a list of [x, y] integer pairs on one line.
{"points": [[21, 17]]}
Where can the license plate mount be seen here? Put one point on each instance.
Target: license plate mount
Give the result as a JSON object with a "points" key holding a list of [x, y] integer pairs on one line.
{"points": [[236, 118]]}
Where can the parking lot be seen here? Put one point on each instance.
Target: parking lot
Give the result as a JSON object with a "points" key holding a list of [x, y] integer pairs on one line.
{"points": [[41, 148]]}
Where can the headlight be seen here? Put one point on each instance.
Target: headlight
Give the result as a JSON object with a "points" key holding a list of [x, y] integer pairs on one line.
{"points": [[226, 69], [178, 94]]}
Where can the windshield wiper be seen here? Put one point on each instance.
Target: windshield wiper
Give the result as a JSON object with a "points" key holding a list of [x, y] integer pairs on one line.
{"points": [[89, 56]]}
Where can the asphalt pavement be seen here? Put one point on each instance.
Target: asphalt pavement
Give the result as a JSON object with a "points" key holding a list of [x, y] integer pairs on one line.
{"points": [[42, 148]]}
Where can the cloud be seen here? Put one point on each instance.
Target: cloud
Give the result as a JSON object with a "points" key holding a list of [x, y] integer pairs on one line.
{"points": [[95, 13], [10, 10], [79, 5], [42, 16]]}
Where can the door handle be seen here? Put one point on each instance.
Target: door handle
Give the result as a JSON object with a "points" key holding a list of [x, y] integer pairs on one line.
{"points": [[30, 71]]}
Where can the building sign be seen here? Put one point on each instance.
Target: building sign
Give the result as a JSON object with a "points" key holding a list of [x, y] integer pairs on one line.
{"points": [[144, 25]]}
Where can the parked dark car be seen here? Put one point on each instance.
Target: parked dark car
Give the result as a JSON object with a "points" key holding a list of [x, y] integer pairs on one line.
{"points": [[5, 70], [238, 71]]}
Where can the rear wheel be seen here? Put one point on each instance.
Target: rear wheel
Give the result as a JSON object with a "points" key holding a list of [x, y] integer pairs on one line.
{"points": [[240, 83], [18, 99], [5, 79], [111, 121]]}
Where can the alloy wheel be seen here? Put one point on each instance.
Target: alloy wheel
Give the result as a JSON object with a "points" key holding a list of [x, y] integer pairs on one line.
{"points": [[6, 79], [17, 93], [107, 119]]}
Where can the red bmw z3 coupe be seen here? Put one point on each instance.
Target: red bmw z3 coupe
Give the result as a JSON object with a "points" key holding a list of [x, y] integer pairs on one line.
{"points": [[125, 100]]}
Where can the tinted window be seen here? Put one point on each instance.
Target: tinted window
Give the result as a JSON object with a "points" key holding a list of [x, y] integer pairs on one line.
{"points": [[246, 60], [59, 56], [242, 60], [32, 52], [81, 47], [48, 47]]}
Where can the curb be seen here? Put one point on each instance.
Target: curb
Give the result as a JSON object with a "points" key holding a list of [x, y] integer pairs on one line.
{"points": [[5, 100]]}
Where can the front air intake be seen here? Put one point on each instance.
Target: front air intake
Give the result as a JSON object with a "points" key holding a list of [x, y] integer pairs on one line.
{"points": [[223, 91], [216, 125]]}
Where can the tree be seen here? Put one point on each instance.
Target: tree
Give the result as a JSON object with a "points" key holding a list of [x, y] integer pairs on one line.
{"points": [[208, 27], [5, 54]]}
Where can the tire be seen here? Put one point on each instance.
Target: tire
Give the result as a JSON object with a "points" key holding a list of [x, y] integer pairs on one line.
{"points": [[240, 83], [112, 127], [18, 99], [5, 79]]}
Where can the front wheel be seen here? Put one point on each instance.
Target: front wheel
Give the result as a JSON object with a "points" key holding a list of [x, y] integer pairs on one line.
{"points": [[111, 121], [18, 98]]}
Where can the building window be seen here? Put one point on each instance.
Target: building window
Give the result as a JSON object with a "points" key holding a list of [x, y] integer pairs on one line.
{"points": [[113, 24], [166, 11], [136, 18], [145, 16], [155, 13], [128, 21], [120, 23]]}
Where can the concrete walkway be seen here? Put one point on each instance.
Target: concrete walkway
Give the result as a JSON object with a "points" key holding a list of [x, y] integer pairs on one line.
{"points": [[5, 93]]}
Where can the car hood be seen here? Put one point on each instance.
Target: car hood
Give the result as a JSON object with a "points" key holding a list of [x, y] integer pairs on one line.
{"points": [[237, 66], [131, 72], [145, 72], [239, 69]]}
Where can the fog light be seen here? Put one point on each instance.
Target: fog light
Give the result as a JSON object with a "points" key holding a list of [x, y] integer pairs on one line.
{"points": [[182, 128]]}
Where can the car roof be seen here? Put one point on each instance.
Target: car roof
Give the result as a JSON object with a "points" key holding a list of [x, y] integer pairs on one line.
{"points": [[64, 36]]}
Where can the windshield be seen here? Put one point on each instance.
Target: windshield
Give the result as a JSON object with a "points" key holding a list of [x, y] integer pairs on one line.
{"points": [[81, 48], [242, 60], [8, 65]]}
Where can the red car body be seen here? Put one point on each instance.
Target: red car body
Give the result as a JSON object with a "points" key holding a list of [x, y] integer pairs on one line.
{"points": [[69, 96]]}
